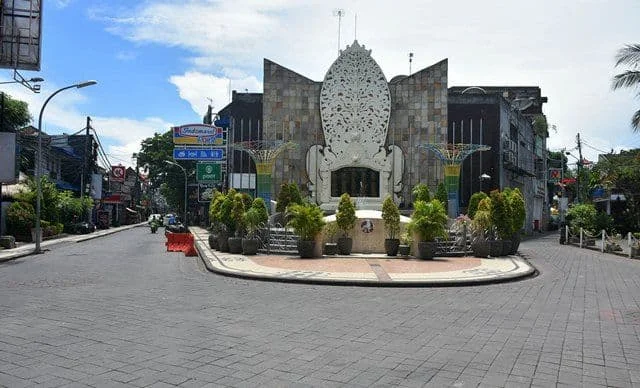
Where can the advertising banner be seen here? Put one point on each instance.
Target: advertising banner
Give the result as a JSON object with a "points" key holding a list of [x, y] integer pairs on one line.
{"points": [[555, 174], [198, 134], [7, 157], [208, 172], [205, 192], [118, 173], [96, 186]]}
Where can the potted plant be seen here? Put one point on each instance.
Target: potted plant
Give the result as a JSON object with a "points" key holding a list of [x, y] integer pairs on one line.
{"points": [[307, 221], [237, 215], [518, 217], [254, 219], [428, 222], [404, 249], [501, 220], [214, 218], [481, 229], [330, 231], [346, 220], [391, 219]]}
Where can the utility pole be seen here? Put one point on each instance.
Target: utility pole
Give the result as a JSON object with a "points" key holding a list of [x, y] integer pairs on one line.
{"points": [[579, 166], [84, 158]]}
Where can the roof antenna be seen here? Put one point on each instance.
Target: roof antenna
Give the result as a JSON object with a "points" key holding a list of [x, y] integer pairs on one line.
{"points": [[355, 27], [339, 12]]}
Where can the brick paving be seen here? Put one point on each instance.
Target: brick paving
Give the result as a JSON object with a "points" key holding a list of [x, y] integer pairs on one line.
{"points": [[121, 311]]}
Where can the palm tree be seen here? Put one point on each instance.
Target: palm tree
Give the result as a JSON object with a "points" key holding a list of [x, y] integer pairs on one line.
{"points": [[629, 55]]}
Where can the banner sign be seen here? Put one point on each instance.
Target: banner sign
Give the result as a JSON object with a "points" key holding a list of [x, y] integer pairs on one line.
{"points": [[208, 172], [118, 173], [7, 157], [198, 134], [205, 192], [96, 186], [555, 174], [213, 154]]}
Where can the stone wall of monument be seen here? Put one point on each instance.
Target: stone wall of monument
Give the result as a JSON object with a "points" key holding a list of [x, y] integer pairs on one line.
{"points": [[291, 111], [418, 116]]}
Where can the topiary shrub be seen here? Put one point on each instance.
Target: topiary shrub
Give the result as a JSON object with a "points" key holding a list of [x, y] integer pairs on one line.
{"points": [[442, 195], [474, 201], [391, 217], [346, 214], [21, 218], [421, 193]]}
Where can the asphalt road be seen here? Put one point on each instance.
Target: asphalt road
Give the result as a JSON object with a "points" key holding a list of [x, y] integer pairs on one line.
{"points": [[119, 310]]}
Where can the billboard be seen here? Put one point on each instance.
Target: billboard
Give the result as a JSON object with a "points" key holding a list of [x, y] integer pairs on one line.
{"points": [[198, 134], [208, 172], [20, 34], [96, 186], [7, 157]]}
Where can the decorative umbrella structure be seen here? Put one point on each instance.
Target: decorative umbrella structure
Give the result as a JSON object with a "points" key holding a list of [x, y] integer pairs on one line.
{"points": [[264, 154], [452, 155]]}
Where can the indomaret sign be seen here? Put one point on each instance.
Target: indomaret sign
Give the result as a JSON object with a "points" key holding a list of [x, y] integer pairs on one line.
{"points": [[198, 134]]}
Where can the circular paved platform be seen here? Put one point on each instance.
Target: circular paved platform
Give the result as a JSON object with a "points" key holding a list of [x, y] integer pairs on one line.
{"points": [[361, 269]]}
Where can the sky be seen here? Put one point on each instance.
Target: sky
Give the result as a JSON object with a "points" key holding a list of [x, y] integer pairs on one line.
{"points": [[159, 63]]}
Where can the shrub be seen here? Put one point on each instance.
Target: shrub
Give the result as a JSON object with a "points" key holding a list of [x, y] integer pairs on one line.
{"points": [[473, 203], [518, 209], [582, 216], [21, 218], [306, 219], [428, 220], [346, 214], [500, 214], [391, 217], [481, 224], [289, 194], [442, 195], [421, 192], [237, 214]]}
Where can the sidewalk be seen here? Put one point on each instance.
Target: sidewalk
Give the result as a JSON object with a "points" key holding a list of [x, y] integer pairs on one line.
{"points": [[28, 249], [363, 269]]}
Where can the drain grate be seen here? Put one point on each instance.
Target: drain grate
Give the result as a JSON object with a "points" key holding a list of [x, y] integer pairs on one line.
{"points": [[380, 272]]}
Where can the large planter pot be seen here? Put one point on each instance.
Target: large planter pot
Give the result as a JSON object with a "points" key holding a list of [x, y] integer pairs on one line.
{"points": [[426, 250], [495, 248], [213, 241], [235, 244], [223, 241], [515, 243], [635, 251], [330, 249], [306, 248], [404, 250], [250, 246], [506, 247], [345, 244], [481, 248], [391, 246]]}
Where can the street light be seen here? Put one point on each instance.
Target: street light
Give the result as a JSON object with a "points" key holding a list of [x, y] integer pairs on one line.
{"points": [[185, 188], [483, 178], [39, 158]]}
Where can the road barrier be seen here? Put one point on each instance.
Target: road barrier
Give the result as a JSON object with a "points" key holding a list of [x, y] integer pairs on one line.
{"points": [[181, 242]]}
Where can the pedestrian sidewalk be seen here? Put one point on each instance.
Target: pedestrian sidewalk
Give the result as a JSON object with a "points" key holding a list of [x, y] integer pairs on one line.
{"points": [[363, 269], [28, 249]]}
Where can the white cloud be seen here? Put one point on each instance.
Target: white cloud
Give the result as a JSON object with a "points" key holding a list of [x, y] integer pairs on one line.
{"points": [[197, 88], [555, 45]]}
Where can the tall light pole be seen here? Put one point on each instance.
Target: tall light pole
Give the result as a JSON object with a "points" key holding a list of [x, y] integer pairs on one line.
{"points": [[185, 188], [39, 158]]}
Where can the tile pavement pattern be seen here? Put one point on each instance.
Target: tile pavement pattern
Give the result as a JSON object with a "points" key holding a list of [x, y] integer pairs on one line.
{"points": [[120, 311]]}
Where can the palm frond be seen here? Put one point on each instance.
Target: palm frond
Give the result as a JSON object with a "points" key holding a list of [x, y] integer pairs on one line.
{"points": [[629, 78], [635, 121], [629, 54]]}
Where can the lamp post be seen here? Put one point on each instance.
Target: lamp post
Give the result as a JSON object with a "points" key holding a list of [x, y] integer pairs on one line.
{"points": [[185, 188], [39, 158], [483, 178]]}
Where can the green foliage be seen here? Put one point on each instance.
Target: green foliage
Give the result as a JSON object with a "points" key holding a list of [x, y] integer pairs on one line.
{"points": [[582, 216], [214, 209], [421, 192], [237, 214], [482, 225], [72, 209], [473, 203], [252, 220], [391, 217], [21, 217], [330, 231], [15, 114], [289, 194], [306, 219], [629, 55], [517, 208], [225, 216], [428, 220], [261, 208], [346, 214], [603, 221], [442, 195], [500, 214]]}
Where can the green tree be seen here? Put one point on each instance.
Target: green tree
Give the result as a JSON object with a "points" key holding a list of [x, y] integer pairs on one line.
{"points": [[629, 55], [442, 195], [14, 114], [473, 203]]}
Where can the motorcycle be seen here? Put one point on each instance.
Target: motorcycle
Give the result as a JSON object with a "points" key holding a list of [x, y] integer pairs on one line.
{"points": [[154, 227]]}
